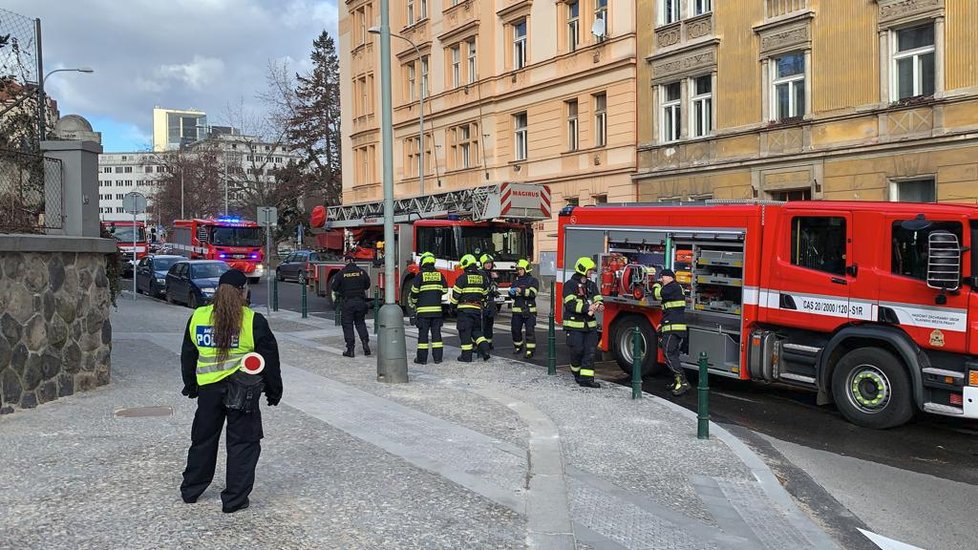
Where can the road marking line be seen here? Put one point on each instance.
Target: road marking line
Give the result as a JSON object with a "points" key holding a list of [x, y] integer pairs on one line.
{"points": [[886, 543], [737, 397]]}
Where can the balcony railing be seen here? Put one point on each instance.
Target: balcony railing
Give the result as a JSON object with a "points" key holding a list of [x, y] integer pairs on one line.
{"points": [[777, 8]]}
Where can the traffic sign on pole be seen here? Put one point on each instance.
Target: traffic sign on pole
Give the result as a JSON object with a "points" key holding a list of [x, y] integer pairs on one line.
{"points": [[134, 203], [268, 218]]}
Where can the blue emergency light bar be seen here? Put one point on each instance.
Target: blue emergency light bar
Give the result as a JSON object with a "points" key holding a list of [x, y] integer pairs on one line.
{"points": [[229, 220]]}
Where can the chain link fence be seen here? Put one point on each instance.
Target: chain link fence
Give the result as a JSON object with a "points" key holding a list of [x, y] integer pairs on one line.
{"points": [[31, 192], [19, 81]]}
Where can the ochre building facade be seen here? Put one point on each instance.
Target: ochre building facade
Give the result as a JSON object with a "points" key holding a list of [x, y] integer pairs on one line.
{"points": [[798, 99], [537, 91]]}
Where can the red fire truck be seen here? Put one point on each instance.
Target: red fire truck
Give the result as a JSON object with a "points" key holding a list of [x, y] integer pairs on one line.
{"points": [[235, 241], [129, 235], [492, 219], [872, 305]]}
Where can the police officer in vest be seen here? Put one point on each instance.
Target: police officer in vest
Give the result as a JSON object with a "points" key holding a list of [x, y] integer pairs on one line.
{"points": [[351, 284], [524, 292], [217, 337], [490, 309], [673, 327], [469, 295], [426, 292], [582, 301]]}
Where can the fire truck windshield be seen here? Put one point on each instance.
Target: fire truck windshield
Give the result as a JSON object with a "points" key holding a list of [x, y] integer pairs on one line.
{"points": [[236, 236], [125, 233], [504, 243]]}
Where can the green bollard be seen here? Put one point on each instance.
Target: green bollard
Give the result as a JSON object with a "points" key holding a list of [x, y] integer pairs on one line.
{"points": [[302, 283], [636, 363], [274, 293], [703, 409], [376, 309], [552, 335]]}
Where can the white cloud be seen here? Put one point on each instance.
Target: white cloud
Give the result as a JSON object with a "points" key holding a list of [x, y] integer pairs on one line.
{"points": [[197, 74]]}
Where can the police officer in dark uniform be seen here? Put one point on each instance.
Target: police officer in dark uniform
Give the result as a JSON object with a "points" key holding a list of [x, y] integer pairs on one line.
{"points": [[582, 301], [469, 295], [673, 328], [426, 293], [524, 292], [489, 309], [351, 284]]}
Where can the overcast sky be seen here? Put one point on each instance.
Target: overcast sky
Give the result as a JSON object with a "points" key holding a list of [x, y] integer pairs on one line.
{"points": [[203, 54]]}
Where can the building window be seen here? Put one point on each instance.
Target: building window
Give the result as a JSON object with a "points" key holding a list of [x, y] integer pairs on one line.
{"points": [[410, 12], [573, 25], [573, 133], [465, 145], [424, 76], [919, 190], [601, 12], [521, 137], [456, 53], [128, 170], [601, 199], [412, 82], [118, 169], [473, 73], [572, 201], [519, 44], [671, 112], [107, 170], [702, 6], [118, 210], [600, 120], [792, 195], [702, 106], [669, 11], [914, 62], [788, 86]]}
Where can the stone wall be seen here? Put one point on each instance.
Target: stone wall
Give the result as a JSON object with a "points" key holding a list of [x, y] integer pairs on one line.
{"points": [[55, 334]]}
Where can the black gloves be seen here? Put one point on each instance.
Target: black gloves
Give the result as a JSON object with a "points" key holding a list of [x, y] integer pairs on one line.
{"points": [[273, 400], [190, 390]]}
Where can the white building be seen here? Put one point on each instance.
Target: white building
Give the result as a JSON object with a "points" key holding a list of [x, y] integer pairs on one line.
{"points": [[121, 173]]}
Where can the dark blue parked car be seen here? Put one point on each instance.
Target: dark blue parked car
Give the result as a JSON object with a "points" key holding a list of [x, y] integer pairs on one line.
{"points": [[193, 282], [151, 273]]}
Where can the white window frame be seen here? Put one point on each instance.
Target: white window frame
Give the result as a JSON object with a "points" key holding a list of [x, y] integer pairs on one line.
{"points": [[573, 25], [456, 53], [700, 7], [895, 186], [792, 82], [573, 125], [600, 119], [412, 81], [670, 109], [601, 12], [424, 10], [700, 106], [410, 13], [464, 141], [473, 60], [667, 6], [519, 43], [916, 54], [424, 77], [521, 136]]}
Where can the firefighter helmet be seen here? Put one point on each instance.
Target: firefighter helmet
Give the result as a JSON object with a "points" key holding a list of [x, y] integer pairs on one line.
{"points": [[584, 265], [523, 264], [467, 261], [486, 258], [428, 260]]}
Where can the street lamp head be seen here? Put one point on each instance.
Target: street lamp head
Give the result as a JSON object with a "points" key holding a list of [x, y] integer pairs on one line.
{"points": [[85, 70], [374, 30]]}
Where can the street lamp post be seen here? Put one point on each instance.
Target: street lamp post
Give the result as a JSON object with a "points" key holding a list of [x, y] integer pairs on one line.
{"points": [[421, 138], [392, 352], [42, 100]]}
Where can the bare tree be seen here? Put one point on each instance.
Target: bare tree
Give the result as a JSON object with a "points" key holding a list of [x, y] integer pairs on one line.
{"points": [[192, 179]]}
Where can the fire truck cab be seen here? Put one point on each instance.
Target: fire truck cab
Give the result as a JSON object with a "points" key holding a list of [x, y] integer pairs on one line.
{"points": [[232, 240], [130, 237], [871, 305]]}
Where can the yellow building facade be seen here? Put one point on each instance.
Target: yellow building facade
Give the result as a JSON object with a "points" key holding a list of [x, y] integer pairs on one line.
{"points": [[527, 91], [797, 99]]}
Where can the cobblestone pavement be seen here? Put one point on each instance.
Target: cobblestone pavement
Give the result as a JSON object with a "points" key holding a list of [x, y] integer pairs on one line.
{"points": [[484, 455]]}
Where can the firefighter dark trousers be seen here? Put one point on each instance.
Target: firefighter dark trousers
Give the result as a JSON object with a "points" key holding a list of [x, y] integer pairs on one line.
{"points": [[672, 343], [354, 310], [487, 322], [470, 333], [244, 433], [432, 325], [583, 346], [524, 322]]}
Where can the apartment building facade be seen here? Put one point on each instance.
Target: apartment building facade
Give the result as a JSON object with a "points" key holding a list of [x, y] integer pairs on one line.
{"points": [[798, 99], [517, 90]]}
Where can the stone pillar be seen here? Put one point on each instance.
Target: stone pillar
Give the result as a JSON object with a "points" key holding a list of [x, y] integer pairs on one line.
{"points": [[79, 186]]}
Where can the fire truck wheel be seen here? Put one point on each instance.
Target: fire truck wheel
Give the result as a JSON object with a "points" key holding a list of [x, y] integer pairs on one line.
{"points": [[406, 292], [871, 389], [621, 344], [329, 294]]}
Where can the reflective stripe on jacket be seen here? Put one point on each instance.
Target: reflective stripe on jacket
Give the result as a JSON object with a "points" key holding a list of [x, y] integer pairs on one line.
{"points": [[525, 299], [673, 299], [579, 294], [426, 292], [209, 369], [470, 290]]}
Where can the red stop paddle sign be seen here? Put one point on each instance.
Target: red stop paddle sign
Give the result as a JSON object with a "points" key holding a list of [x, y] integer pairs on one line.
{"points": [[252, 363]]}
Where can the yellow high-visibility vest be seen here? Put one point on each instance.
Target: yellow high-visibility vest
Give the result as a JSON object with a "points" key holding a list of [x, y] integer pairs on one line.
{"points": [[209, 369]]}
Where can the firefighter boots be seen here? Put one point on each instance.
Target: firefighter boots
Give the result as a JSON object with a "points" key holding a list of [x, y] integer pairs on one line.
{"points": [[681, 385], [366, 348]]}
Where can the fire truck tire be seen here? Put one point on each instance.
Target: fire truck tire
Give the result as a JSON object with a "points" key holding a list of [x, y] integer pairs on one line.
{"points": [[621, 344], [406, 292], [871, 389], [329, 294]]}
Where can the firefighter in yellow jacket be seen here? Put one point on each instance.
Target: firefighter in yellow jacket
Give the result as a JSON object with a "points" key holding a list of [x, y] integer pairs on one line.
{"points": [[582, 301], [425, 302]]}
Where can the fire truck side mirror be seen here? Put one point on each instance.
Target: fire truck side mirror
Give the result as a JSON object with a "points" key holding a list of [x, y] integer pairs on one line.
{"points": [[943, 261]]}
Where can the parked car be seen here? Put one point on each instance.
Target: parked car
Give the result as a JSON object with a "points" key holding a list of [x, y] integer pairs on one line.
{"points": [[193, 282], [151, 273], [295, 264]]}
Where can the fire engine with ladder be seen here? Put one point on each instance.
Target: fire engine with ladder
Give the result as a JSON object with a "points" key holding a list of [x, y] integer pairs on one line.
{"points": [[874, 306], [494, 219]]}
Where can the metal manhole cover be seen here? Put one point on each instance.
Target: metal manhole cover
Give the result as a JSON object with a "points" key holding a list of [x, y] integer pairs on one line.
{"points": [[134, 412]]}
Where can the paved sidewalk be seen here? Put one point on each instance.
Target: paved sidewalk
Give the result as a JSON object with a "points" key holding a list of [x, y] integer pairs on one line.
{"points": [[485, 455]]}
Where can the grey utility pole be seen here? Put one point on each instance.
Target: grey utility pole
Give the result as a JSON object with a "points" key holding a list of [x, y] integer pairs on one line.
{"points": [[392, 350]]}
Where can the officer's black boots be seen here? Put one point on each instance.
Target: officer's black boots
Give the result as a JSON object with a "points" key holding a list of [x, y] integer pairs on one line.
{"points": [[348, 352], [366, 348]]}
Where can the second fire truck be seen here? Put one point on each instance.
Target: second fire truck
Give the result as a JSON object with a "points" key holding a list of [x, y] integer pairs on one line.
{"points": [[874, 306], [232, 240]]}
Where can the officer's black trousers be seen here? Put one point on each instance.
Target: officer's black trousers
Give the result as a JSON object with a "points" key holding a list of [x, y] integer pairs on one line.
{"points": [[487, 322], [583, 346], [671, 346], [432, 325], [524, 322], [244, 433], [353, 311], [470, 332]]}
